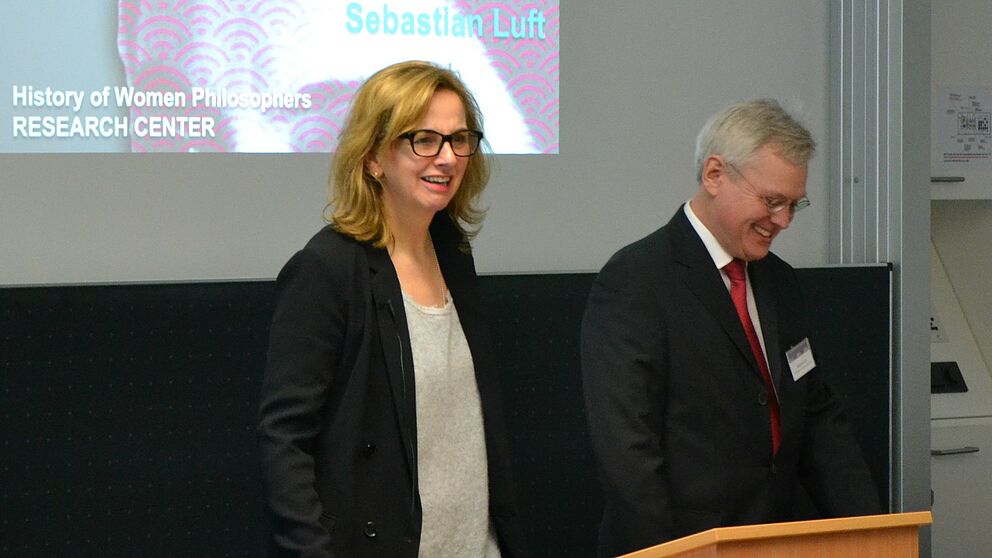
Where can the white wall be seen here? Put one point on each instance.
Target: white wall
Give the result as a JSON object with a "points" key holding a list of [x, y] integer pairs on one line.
{"points": [[961, 231], [637, 78]]}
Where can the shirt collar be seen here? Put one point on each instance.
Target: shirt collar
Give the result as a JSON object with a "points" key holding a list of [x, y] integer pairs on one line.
{"points": [[717, 253]]}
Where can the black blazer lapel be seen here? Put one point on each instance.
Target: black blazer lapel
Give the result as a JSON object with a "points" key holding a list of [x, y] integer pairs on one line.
{"points": [[387, 299], [706, 283], [762, 284], [459, 275]]}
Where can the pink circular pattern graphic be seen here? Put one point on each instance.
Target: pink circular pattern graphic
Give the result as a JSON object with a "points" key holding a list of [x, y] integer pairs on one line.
{"points": [[248, 46]]}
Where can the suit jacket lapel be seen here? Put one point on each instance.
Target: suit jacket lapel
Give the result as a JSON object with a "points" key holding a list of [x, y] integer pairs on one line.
{"points": [[764, 297], [387, 299], [706, 283], [458, 274]]}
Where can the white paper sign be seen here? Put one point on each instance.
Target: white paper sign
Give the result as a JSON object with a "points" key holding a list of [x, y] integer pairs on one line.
{"points": [[962, 133]]}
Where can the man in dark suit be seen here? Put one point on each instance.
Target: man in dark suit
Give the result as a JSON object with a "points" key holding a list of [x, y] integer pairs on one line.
{"points": [[705, 405]]}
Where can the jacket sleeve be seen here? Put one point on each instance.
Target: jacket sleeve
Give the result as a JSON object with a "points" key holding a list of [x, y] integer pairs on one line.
{"points": [[832, 467], [622, 351], [304, 346]]}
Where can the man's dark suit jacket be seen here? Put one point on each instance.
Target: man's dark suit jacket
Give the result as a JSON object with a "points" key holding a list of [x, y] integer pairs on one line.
{"points": [[337, 431], [677, 407]]}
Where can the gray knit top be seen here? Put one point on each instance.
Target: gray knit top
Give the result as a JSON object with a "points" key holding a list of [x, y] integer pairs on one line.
{"points": [[451, 445]]}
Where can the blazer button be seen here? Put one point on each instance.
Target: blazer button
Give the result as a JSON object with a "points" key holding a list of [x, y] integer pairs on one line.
{"points": [[369, 530], [762, 399], [369, 450]]}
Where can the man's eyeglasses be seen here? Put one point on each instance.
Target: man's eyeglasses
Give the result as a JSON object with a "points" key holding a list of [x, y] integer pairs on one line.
{"points": [[774, 204], [428, 143]]}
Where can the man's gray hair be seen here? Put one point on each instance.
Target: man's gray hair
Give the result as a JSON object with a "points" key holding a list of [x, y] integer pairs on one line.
{"points": [[738, 131]]}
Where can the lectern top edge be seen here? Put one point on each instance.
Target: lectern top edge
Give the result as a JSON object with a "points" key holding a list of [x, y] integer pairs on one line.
{"points": [[788, 529]]}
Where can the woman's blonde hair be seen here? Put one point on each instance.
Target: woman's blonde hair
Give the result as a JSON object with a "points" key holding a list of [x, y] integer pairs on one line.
{"points": [[387, 105]]}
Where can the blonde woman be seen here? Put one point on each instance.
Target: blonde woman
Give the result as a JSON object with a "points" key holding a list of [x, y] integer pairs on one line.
{"points": [[381, 429]]}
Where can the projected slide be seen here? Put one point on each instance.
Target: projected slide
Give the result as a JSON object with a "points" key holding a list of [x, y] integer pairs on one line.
{"points": [[277, 76]]}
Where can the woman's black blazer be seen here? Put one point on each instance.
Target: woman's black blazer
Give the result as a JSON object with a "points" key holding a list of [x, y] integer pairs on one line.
{"points": [[337, 428]]}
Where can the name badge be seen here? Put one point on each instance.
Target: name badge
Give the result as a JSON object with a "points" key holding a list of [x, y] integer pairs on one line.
{"points": [[800, 359]]}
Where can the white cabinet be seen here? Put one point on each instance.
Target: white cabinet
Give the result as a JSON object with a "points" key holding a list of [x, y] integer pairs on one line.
{"points": [[961, 432], [962, 488]]}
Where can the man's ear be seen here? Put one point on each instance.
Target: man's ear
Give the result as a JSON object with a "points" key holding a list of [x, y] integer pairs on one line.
{"points": [[714, 169]]}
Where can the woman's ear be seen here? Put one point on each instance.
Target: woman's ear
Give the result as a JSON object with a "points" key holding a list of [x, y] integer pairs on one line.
{"points": [[372, 166]]}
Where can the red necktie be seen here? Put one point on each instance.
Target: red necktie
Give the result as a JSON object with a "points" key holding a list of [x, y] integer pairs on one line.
{"points": [[738, 292]]}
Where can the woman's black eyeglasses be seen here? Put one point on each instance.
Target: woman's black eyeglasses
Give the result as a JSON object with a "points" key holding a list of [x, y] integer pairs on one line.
{"points": [[428, 143]]}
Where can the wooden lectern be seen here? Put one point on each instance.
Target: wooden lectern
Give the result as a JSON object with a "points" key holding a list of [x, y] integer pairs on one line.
{"points": [[870, 536]]}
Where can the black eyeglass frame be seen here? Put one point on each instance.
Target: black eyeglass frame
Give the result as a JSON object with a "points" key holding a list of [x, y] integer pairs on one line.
{"points": [[445, 138]]}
